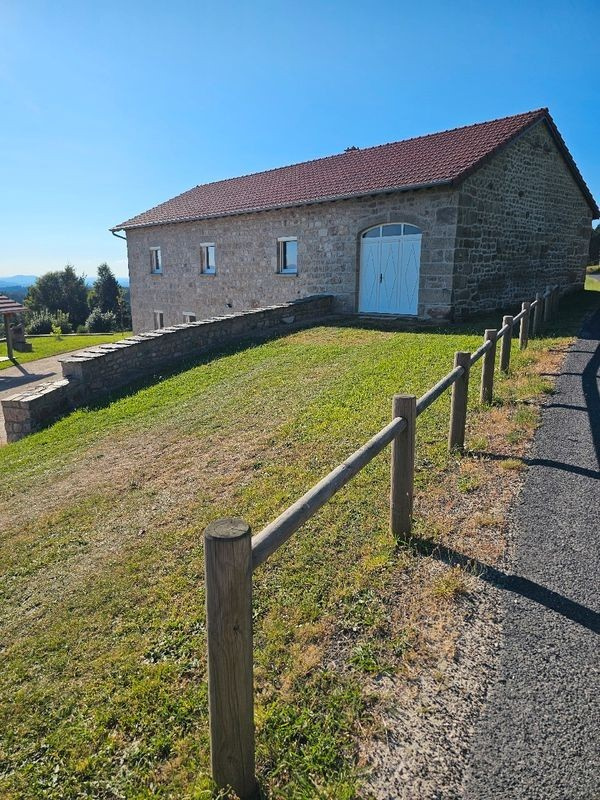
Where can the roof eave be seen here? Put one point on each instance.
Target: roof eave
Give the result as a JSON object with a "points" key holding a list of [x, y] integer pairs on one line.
{"points": [[330, 199]]}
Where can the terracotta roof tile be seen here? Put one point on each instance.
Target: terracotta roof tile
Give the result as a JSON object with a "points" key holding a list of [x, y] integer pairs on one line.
{"points": [[439, 158]]}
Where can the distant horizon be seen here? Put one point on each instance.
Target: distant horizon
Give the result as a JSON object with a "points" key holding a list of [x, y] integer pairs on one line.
{"points": [[16, 279]]}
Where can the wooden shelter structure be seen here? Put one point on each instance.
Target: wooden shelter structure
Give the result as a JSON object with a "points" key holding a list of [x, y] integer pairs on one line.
{"points": [[9, 308]]}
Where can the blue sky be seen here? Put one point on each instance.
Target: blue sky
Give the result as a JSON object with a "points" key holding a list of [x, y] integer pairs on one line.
{"points": [[109, 108]]}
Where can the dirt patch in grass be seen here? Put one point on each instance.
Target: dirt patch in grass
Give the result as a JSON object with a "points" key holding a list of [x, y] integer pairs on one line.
{"points": [[120, 493]]}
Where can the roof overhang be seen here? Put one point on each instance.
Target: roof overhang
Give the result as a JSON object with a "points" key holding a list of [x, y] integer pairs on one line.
{"points": [[297, 204]]}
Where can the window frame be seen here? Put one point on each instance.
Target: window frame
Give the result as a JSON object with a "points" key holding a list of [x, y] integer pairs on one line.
{"points": [[282, 269], [205, 269], [156, 267], [367, 234], [160, 317], [187, 314]]}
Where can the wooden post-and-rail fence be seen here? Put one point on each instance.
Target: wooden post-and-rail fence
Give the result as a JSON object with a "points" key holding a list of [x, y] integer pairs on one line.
{"points": [[231, 553]]}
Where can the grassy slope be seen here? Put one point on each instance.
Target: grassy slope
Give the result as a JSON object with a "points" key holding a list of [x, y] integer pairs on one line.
{"points": [[51, 346], [103, 688]]}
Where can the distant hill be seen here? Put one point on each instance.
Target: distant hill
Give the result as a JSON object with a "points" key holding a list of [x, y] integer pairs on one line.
{"points": [[14, 292], [17, 280]]}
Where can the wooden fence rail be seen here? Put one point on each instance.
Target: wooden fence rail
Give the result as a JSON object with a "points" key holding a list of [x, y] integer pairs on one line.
{"points": [[231, 554]]}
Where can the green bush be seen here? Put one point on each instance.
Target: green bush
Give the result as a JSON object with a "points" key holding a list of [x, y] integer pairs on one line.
{"points": [[97, 322], [61, 320], [39, 322], [81, 329]]}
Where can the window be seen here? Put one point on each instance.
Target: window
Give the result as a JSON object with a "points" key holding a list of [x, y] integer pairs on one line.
{"points": [[159, 320], [392, 229], [208, 261], [155, 261], [189, 316], [287, 255]]}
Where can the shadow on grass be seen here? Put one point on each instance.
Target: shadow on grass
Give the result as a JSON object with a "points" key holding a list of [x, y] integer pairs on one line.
{"points": [[517, 584], [567, 324], [166, 372], [591, 394], [538, 462], [509, 582]]}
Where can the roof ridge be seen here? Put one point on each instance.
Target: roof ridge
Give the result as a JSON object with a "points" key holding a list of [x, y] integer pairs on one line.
{"points": [[539, 111], [271, 170]]}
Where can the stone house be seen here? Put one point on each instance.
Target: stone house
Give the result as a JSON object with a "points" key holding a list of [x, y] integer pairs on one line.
{"points": [[436, 227]]}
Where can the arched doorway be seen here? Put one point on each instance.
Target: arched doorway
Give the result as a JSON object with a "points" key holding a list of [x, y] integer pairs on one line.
{"points": [[390, 259]]}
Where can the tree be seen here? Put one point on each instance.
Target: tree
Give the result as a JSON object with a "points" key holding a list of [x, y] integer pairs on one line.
{"points": [[60, 291], [106, 292]]}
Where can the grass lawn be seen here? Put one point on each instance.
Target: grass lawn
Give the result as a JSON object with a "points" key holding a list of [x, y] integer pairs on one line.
{"points": [[51, 346], [102, 633]]}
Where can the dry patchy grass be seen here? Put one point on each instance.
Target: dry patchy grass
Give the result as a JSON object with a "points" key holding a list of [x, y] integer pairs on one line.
{"points": [[103, 635]]}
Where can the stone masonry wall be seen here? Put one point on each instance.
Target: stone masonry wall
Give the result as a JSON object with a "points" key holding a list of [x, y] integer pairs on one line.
{"points": [[98, 370], [246, 257], [27, 411], [523, 223]]}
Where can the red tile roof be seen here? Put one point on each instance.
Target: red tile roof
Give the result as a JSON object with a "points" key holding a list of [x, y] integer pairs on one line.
{"points": [[8, 306], [436, 159]]}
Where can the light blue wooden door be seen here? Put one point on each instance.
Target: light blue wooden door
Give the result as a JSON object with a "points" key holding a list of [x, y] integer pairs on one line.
{"points": [[389, 270], [370, 274], [408, 302]]}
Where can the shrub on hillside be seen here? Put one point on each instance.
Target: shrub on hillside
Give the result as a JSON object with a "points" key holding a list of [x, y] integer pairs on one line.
{"points": [[39, 322], [61, 320], [99, 322]]}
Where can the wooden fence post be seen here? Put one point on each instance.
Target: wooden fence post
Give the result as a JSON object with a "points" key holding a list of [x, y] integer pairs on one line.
{"points": [[506, 343], [487, 370], [524, 327], [403, 465], [538, 313], [547, 305], [458, 406], [228, 578]]}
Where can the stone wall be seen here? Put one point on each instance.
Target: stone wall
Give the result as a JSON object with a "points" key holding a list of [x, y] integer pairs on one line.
{"points": [[28, 411], [523, 223], [246, 255], [98, 370]]}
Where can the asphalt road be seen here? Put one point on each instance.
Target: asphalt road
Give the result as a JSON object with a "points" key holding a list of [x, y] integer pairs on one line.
{"points": [[539, 733]]}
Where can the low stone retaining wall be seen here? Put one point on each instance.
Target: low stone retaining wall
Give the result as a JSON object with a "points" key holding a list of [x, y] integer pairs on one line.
{"points": [[27, 411], [98, 370]]}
